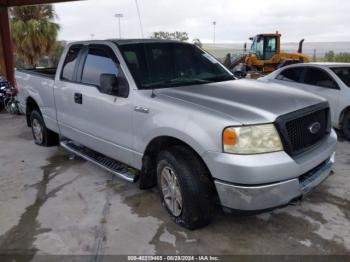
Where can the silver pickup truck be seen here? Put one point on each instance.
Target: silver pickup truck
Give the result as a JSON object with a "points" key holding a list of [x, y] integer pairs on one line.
{"points": [[169, 114]]}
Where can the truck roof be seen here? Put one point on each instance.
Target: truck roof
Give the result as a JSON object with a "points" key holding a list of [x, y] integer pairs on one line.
{"points": [[140, 41], [127, 41], [120, 42]]}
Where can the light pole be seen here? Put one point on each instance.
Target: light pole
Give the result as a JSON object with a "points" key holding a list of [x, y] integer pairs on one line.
{"points": [[118, 16], [214, 24], [138, 13]]}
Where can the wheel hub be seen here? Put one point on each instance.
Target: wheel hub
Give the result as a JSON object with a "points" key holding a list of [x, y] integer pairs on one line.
{"points": [[37, 131], [171, 191]]}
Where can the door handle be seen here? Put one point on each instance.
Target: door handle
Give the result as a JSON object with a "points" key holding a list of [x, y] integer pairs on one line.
{"points": [[78, 98], [141, 109]]}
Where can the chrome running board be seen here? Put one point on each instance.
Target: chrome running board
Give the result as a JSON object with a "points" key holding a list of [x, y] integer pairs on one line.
{"points": [[111, 165]]}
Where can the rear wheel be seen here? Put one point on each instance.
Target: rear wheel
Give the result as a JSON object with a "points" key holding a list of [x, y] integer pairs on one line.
{"points": [[346, 125], [185, 188], [42, 136]]}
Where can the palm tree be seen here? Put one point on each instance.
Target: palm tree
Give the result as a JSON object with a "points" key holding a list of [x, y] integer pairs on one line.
{"points": [[34, 31]]}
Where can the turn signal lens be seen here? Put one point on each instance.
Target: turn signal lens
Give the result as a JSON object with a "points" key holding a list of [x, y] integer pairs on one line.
{"points": [[229, 137]]}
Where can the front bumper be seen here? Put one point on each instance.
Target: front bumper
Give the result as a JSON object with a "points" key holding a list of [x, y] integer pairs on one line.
{"points": [[260, 182], [254, 198]]}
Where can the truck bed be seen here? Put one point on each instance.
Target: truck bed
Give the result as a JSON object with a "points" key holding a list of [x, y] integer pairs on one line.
{"points": [[43, 72], [38, 84]]}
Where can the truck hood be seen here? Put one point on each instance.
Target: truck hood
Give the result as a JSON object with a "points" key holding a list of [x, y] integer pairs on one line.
{"points": [[246, 101]]}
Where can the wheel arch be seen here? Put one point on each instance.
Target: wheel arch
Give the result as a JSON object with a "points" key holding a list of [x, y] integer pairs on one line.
{"points": [[148, 177], [31, 105], [341, 116]]}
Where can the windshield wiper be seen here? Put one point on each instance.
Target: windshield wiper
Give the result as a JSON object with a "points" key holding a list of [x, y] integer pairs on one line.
{"points": [[219, 78], [177, 81]]}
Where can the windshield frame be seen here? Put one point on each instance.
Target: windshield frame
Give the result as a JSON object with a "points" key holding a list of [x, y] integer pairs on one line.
{"points": [[174, 82]]}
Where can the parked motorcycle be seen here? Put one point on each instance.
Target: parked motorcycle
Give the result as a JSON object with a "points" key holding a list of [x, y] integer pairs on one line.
{"points": [[8, 99], [3, 86]]}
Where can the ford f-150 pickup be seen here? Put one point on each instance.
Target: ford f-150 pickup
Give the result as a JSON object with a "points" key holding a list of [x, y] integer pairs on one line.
{"points": [[167, 113]]}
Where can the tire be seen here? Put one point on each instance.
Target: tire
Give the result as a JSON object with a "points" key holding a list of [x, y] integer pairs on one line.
{"points": [[41, 135], [346, 125], [193, 187]]}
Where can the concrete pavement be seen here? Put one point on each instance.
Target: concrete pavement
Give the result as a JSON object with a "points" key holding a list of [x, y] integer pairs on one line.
{"points": [[50, 204]]}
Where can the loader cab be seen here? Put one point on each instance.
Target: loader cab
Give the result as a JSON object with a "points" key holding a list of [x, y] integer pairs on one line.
{"points": [[265, 46]]}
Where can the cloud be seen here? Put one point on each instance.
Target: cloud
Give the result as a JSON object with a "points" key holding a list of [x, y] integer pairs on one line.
{"points": [[313, 20]]}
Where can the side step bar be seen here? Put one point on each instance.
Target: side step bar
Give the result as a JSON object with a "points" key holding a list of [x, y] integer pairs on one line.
{"points": [[102, 161]]}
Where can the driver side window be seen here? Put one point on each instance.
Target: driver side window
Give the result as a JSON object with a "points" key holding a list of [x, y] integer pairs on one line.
{"points": [[101, 62], [291, 74], [98, 62]]}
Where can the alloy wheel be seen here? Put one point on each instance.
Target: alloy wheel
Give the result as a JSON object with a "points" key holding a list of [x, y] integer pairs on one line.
{"points": [[171, 191]]}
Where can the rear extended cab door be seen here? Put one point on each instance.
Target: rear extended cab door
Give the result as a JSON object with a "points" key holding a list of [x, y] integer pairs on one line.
{"points": [[100, 121]]}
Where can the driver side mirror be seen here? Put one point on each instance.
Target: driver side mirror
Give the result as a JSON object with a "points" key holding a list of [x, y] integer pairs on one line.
{"points": [[113, 85]]}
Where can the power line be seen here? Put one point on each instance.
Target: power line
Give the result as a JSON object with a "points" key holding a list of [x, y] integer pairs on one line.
{"points": [[138, 13]]}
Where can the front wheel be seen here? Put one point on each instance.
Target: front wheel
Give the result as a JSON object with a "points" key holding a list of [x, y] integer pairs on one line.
{"points": [[346, 125], [185, 187]]}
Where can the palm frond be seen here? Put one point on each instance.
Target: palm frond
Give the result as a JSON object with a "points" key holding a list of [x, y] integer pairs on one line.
{"points": [[34, 31]]}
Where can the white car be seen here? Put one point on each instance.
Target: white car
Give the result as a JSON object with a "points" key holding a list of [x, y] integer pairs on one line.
{"points": [[328, 80]]}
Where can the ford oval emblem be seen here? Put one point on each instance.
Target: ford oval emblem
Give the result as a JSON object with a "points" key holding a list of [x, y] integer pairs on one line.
{"points": [[315, 128]]}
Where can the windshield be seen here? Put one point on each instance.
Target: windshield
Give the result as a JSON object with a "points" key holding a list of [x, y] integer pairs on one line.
{"points": [[161, 65], [343, 73]]}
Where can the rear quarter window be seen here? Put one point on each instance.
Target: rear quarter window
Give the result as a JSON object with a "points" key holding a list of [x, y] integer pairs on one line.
{"points": [[70, 62]]}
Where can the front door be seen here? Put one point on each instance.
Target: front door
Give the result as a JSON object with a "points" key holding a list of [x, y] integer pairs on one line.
{"points": [[98, 120]]}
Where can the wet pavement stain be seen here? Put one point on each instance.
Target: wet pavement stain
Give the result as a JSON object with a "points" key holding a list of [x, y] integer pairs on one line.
{"points": [[20, 238], [100, 230], [146, 203], [236, 234], [321, 196]]}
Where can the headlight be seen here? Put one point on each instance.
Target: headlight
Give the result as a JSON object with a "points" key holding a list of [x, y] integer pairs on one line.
{"points": [[251, 139]]}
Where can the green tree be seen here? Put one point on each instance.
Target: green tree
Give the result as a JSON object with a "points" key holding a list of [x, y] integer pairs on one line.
{"points": [[329, 56], [56, 52], [342, 57], [34, 31], [180, 36]]}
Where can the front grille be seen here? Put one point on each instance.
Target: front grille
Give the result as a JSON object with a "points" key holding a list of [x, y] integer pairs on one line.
{"points": [[296, 128]]}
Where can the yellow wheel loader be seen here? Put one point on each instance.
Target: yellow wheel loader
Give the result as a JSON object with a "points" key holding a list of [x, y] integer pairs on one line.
{"points": [[265, 55]]}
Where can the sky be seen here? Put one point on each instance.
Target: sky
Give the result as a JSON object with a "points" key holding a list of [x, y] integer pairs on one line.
{"points": [[236, 20]]}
